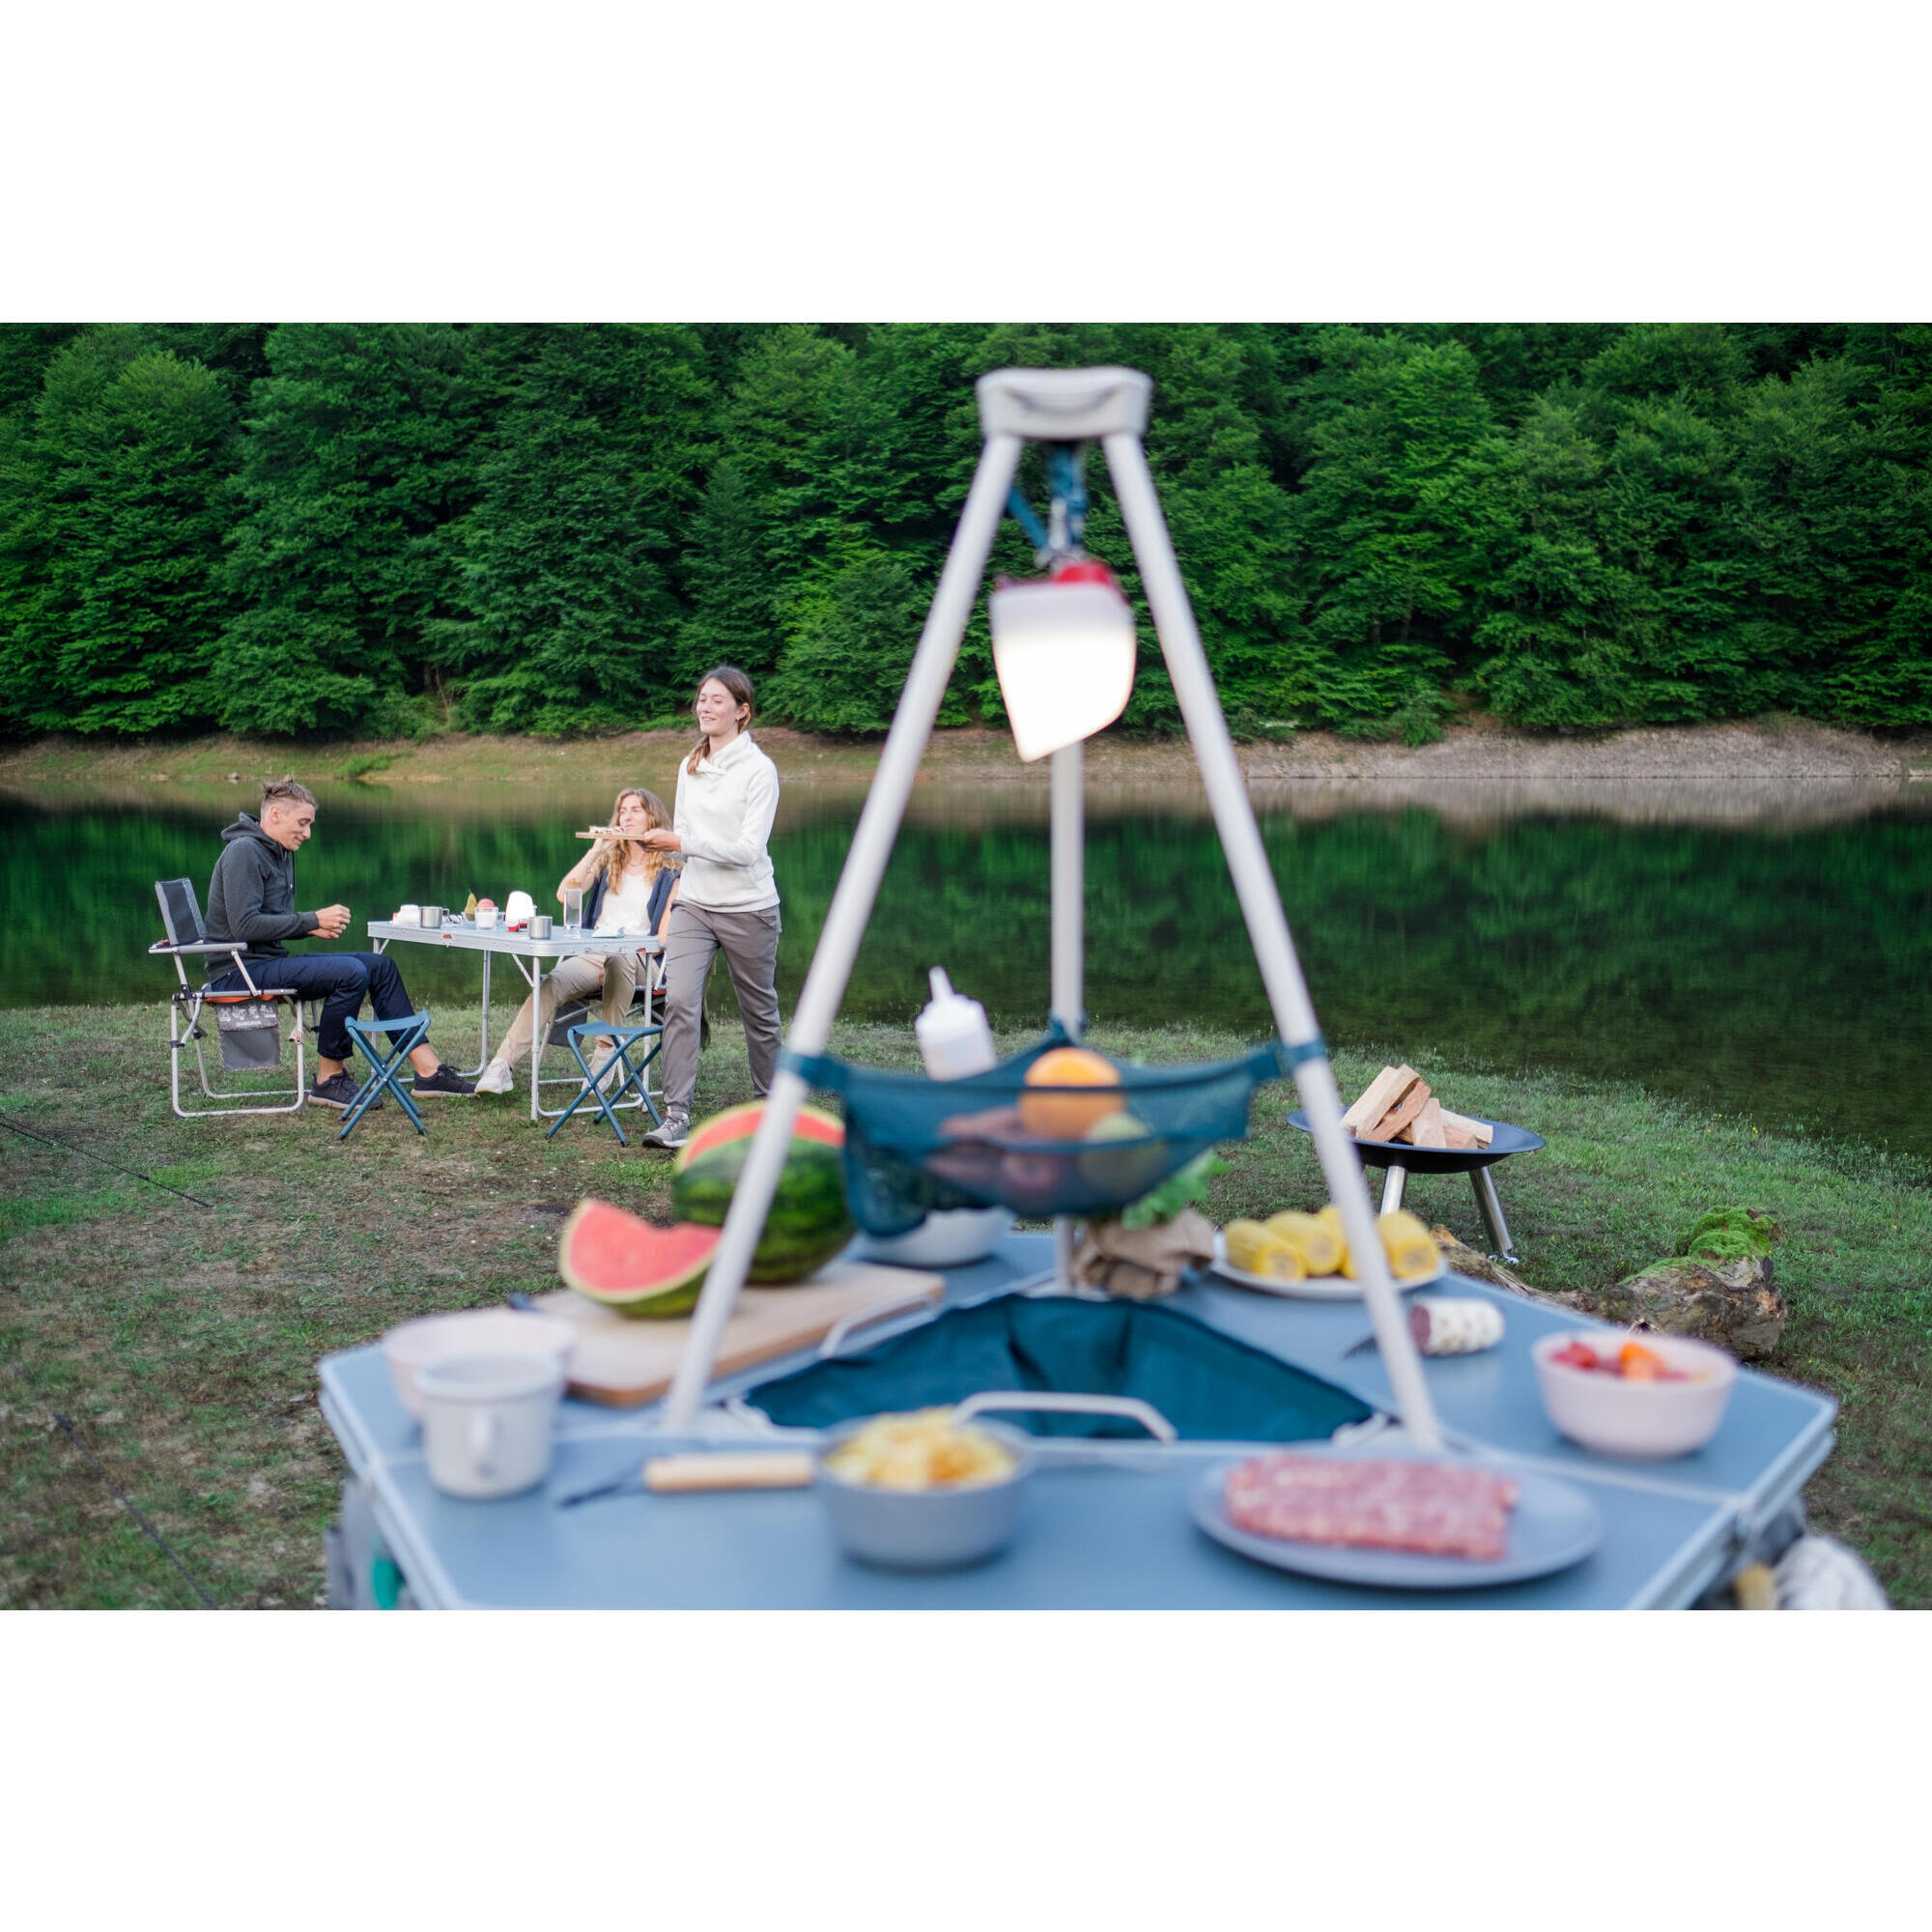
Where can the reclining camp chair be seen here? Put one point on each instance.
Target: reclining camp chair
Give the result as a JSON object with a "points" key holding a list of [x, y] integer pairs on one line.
{"points": [[248, 1024]]}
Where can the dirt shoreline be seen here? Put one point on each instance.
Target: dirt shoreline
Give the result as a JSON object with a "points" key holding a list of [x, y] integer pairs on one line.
{"points": [[1759, 753]]}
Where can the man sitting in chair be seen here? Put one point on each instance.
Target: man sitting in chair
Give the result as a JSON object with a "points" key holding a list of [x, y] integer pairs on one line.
{"points": [[252, 898]]}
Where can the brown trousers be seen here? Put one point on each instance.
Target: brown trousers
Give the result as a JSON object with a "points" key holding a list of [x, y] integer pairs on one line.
{"points": [[693, 936]]}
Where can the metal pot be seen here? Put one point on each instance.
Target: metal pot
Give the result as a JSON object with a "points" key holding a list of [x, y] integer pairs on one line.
{"points": [[926, 1529], [431, 917]]}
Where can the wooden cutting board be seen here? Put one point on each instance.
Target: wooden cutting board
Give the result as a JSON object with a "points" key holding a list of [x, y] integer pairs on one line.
{"points": [[621, 1360]]}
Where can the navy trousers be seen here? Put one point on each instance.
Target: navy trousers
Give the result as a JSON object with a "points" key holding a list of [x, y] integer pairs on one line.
{"points": [[342, 981]]}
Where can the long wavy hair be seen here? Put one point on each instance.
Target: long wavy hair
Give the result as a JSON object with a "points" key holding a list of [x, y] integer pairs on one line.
{"points": [[611, 866], [740, 687]]}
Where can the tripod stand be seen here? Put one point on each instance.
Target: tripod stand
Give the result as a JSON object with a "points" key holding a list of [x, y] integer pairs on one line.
{"points": [[1060, 407]]}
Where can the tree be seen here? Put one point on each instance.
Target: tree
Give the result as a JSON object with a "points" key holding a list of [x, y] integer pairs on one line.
{"points": [[1835, 505], [144, 556], [734, 604], [568, 558], [115, 557], [361, 455], [1554, 648], [852, 636], [1402, 518], [774, 426]]}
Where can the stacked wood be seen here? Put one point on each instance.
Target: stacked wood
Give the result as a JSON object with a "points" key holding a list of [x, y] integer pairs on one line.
{"points": [[1397, 1105]]}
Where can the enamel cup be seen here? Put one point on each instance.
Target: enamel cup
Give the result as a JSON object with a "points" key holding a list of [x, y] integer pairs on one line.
{"points": [[489, 1422]]}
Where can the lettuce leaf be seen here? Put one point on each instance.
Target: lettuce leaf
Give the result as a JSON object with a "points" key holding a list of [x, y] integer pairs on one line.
{"points": [[1188, 1188]]}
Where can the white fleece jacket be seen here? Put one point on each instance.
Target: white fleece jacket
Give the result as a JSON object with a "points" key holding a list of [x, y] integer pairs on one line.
{"points": [[722, 818]]}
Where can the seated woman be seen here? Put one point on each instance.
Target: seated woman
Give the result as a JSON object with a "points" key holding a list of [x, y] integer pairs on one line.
{"points": [[628, 889]]}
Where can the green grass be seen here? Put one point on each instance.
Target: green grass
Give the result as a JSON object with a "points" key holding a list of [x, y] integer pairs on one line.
{"points": [[180, 1341]]}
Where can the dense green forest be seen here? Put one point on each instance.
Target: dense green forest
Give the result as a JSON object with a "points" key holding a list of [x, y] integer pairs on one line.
{"points": [[389, 529]]}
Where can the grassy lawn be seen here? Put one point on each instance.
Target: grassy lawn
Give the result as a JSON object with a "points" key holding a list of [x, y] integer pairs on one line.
{"points": [[158, 1337]]}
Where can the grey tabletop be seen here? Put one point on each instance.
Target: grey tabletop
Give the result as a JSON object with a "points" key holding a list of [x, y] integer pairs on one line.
{"points": [[1109, 1533], [465, 936]]}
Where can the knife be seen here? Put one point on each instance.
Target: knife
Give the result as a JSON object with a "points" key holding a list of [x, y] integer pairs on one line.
{"points": [[713, 1469]]}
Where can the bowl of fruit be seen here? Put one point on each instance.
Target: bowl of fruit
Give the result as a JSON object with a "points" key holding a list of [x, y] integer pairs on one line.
{"points": [[1629, 1395]]}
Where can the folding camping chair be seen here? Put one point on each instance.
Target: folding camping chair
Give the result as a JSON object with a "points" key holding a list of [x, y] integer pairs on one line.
{"points": [[248, 1024]]}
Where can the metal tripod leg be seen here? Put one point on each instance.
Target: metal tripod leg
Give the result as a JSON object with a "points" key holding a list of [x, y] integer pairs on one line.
{"points": [[844, 927], [1260, 905], [1068, 867], [1490, 1207]]}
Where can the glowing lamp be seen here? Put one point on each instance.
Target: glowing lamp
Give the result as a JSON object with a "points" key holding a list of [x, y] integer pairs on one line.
{"points": [[1064, 649]]}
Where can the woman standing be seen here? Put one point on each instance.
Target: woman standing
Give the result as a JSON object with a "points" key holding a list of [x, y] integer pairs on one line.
{"points": [[628, 887], [728, 795]]}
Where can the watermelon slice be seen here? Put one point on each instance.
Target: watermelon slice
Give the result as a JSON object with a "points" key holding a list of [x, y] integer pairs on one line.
{"points": [[623, 1262], [737, 1123]]}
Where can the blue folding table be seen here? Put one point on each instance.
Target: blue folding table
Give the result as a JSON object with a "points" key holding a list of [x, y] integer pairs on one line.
{"points": [[1104, 1525]]}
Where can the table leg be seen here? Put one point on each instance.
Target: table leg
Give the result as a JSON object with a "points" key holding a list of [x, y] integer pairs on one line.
{"points": [[538, 1031], [1396, 1180], [1490, 1208], [483, 1039]]}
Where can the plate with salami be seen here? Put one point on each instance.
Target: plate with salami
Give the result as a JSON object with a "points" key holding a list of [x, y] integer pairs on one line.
{"points": [[1395, 1520], [1314, 1287]]}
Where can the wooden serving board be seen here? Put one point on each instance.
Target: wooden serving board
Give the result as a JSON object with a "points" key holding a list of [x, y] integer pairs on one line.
{"points": [[622, 1360]]}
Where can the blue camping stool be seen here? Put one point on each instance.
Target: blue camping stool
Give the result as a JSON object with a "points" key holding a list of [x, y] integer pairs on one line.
{"points": [[386, 1045], [626, 1036]]}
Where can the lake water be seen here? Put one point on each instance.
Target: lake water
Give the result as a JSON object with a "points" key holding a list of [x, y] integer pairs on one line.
{"points": [[1768, 952]]}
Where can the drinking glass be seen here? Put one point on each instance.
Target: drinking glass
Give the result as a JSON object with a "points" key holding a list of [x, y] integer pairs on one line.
{"points": [[573, 909]]}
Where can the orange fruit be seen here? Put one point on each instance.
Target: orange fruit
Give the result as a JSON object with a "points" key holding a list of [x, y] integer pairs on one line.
{"points": [[1067, 1116]]}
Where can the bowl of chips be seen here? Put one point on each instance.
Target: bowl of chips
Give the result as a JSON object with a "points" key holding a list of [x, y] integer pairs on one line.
{"points": [[917, 1490]]}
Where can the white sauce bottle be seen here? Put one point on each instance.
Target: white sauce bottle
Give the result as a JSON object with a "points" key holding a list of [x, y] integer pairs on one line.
{"points": [[953, 1033]]}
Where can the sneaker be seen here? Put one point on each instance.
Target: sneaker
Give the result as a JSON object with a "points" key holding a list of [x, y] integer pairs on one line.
{"points": [[496, 1078], [339, 1091], [445, 1080], [673, 1133]]}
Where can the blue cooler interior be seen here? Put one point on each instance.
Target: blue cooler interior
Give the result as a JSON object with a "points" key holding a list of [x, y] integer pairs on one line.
{"points": [[1210, 1387]]}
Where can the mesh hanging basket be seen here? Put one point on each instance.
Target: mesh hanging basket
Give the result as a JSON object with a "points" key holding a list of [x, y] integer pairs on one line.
{"points": [[916, 1147]]}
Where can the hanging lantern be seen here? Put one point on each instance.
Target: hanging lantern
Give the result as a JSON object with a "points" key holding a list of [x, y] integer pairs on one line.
{"points": [[1064, 649]]}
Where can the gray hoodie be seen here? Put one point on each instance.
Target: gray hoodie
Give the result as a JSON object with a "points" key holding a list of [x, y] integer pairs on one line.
{"points": [[252, 894]]}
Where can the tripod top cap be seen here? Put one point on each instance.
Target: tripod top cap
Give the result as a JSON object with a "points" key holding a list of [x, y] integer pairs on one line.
{"points": [[1064, 405]]}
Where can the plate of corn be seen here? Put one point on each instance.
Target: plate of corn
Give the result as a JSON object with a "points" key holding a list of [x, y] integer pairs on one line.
{"points": [[1306, 1256]]}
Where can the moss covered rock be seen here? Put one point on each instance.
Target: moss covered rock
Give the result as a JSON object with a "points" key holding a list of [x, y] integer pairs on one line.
{"points": [[1729, 1302], [1731, 1233]]}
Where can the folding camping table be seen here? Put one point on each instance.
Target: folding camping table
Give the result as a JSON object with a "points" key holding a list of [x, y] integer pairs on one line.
{"points": [[465, 936], [1105, 1524]]}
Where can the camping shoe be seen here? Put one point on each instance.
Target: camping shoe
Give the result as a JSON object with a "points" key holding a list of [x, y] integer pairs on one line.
{"points": [[445, 1081], [339, 1092], [496, 1078], [672, 1133]]}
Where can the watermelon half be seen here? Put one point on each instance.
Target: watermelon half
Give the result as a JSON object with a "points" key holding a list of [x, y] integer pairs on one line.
{"points": [[623, 1262], [737, 1123]]}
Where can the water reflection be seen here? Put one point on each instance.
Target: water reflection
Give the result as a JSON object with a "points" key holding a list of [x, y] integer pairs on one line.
{"points": [[1766, 947]]}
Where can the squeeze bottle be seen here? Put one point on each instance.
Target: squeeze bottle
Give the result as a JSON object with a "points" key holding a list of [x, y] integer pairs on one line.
{"points": [[953, 1033]]}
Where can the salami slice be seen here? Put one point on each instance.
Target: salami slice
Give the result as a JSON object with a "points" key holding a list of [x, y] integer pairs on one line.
{"points": [[1434, 1509]]}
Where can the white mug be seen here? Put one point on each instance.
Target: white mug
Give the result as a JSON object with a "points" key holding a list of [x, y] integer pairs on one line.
{"points": [[488, 1422]]}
